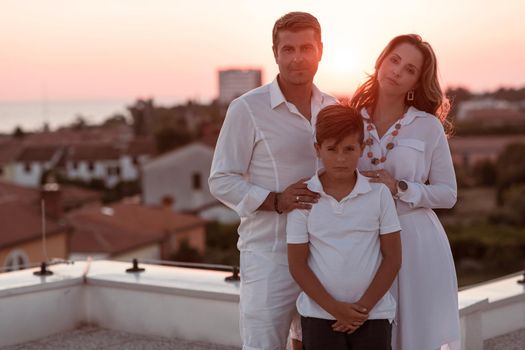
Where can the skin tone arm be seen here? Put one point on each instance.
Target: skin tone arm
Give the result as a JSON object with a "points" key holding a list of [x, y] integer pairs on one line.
{"points": [[350, 314], [384, 277], [287, 200]]}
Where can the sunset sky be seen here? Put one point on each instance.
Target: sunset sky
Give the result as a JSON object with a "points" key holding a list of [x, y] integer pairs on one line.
{"points": [[104, 49]]}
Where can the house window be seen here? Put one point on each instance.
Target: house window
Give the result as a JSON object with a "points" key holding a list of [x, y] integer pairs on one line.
{"points": [[27, 167], [91, 166], [16, 260], [113, 170], [197, 185], [74, 165], [1, 171], [135, 160]]}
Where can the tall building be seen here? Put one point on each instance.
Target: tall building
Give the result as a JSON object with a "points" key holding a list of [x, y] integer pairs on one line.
{"points": [[235, 82]]}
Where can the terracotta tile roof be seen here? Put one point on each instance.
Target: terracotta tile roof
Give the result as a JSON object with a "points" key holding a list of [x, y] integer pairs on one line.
{"points": [[141, 146], [21, 221], [67, 136], [9, 150], [125, 226], [90, 236], [11, 192], [37, 153], [74, 196], [20, 213], [93, 152]]}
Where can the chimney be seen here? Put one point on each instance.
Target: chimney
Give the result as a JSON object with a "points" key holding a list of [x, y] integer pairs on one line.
{"points": [[168, 201], [52, 196]]}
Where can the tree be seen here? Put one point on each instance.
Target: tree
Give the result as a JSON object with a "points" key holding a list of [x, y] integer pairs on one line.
{"points": [[456, 96], [170, 138], [116, 119], [510, 169], [484, 173], [18, 133], [79, 123], [509, 94]]}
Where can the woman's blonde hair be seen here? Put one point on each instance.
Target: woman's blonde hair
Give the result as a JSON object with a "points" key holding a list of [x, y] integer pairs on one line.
{"points": [[428, 95]]}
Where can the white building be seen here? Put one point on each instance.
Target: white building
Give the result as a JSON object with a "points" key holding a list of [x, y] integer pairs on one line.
{"points": [[105, 162], [235, 82], [9, 152], [466, 108], [182, 176], [32, 162], [94, 162]]}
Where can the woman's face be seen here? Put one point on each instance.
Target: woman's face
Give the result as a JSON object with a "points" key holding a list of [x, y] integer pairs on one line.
{"points": [[400, 70]]}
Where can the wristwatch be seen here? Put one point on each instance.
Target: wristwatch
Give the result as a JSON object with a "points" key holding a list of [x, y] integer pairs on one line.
{"points": [[402, 186]]}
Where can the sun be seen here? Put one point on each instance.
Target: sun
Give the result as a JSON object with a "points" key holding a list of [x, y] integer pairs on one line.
{"points": [[340, 59]]}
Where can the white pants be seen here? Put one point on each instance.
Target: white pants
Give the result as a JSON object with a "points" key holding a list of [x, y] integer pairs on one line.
{"points": [[267, 300]]}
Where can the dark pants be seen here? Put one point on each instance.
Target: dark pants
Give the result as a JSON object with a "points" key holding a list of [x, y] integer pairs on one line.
{"points": [[372, 335]]}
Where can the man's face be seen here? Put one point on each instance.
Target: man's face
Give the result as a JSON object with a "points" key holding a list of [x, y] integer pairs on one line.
{"points": [[297, 54]]}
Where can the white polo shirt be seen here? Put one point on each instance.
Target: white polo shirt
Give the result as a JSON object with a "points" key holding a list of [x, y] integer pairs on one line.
{"points": [[344, 243], [265, 145]]}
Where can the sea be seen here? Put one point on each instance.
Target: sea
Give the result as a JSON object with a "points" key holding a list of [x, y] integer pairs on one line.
{"points": [[33, 115]]}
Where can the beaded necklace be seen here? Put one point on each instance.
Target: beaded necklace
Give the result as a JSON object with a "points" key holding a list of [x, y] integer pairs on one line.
{"points": [[370, 141]]}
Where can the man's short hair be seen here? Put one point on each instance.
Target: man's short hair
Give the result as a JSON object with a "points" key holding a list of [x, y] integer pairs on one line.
{"points": [[337, 122], [294, 22]]}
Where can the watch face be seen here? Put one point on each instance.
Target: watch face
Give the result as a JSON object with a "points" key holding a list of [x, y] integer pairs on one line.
{"points": [[403, 186]]}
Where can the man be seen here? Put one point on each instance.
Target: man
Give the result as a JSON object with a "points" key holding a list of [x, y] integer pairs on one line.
{"points": [[263, 155]]}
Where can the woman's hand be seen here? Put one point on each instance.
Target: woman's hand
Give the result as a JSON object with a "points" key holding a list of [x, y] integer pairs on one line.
{"points": [[382, 176]]}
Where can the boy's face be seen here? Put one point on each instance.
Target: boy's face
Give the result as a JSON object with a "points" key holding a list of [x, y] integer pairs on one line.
{"points": [[340, 160]]}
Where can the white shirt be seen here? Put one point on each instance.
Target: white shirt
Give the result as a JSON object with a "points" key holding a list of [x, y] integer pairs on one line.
{"points": [[343, 238], [264, 146], [420, 154]]}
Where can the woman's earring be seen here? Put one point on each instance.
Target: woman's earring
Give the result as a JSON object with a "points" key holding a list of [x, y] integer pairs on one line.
{"points": [[410, 95]]}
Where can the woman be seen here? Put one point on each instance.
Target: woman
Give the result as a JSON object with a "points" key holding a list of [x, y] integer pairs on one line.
{"points": [[405, 111]]}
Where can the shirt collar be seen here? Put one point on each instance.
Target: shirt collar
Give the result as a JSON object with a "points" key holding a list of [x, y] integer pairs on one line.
{"points": [[277, 97], [362, 185], [411, 114]]}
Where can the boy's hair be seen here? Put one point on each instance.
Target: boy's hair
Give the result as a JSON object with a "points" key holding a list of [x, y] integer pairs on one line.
{"points": [[294, 22], [337, 122]]}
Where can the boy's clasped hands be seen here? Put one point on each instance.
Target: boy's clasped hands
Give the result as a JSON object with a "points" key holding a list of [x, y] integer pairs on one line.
{"points": [[350, 317]]}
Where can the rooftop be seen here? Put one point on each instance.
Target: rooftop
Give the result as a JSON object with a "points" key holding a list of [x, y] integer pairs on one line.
{"points": [[124, 226], [94, 338], [163, 302], [37, 153], [98, 305]]}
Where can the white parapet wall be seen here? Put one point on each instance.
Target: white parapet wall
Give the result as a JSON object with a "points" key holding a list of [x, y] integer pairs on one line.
{"points": [[190, 304], [163, 301], [491, 309]]}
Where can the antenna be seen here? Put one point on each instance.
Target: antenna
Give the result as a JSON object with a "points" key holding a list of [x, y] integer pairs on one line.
{"points": [[45, 114], [43, 267], [44, 242]]}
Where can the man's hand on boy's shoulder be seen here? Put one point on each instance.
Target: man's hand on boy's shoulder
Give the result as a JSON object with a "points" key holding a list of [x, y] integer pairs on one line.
{"points": [[350, 317], [297, 196]]}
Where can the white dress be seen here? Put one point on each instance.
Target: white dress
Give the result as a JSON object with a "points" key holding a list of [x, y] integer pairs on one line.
{"points": [[426, 288]]}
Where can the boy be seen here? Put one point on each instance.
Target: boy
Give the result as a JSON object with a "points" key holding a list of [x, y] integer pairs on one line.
{"points": [[345, 251]]}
